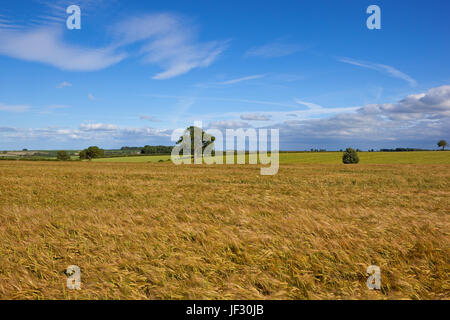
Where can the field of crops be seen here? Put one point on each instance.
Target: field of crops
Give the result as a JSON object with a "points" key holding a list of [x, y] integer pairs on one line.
{"points": [[418, 157], [160, 231]]}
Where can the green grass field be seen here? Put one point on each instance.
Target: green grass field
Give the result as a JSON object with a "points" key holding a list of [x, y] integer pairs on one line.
{"points": [[415, 157], [134, 159]]}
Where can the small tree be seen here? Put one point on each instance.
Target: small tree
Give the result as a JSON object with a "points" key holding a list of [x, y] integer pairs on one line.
{"points": [[350, 156], [442, 144], [62, 155], [82, 154], [91, 153]]}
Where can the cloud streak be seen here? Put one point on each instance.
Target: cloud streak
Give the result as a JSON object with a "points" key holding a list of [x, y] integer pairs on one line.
{"points": [[393, 72], [274, 50], [233, 81], [14, 108], [228, 124], [246, 101], [149, 118], [255, 117], [46, 45], [64, 84]]}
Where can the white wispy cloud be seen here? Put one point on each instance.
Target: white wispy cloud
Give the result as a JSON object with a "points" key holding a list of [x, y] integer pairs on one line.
{"points": [[64, 84], [91, 96], [228, 124], [255, 117], [52, 108], [6, 23], [246, 101], [381, 68], [149, 118], [54, 11], [310, 105], [247, 78], [51, 19], [274, 50], [98, 127], [46, 45], [14, 108], [166, 40], [58, 106]]}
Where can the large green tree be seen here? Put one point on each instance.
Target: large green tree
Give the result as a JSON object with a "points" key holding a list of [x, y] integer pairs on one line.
{"points": [[442, 144], [91, 153], [197, 139]]}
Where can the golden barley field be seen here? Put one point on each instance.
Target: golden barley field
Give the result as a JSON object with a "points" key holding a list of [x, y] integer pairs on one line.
{"points": [[160, 231]]}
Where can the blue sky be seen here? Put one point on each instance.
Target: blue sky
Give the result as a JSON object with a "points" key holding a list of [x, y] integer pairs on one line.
{"points": [[139, 69]]}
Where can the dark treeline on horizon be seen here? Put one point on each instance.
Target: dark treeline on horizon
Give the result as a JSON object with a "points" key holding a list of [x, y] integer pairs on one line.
{"points": [[147, 149]]}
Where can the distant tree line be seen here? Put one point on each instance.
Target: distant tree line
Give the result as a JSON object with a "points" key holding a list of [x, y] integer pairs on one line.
{"points": [[350, 155], [148, 149], [402, 150], [131, 149], [156, 150]]}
